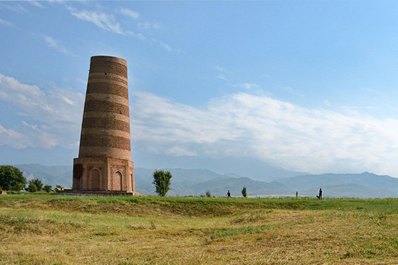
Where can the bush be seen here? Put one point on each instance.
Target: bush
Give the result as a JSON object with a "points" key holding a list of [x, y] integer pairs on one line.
{"points": [[244, 192], [11, 178], [47, 188], [38, 183], [161, 179], [31, 186]]}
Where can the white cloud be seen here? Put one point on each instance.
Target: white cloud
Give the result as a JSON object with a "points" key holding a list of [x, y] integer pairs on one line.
{"points": [[11, 137], [249, 86], [258, 126], [6, 23], [129, 13], [54, 44], [222, 77], [179, 151], [143, 25], [14, 7], [222, 73], [163, 45], [100, 19], [35, 3], [40, 135], [148, 25], [222, 69], [136, 35], [51, 117], [107, 21]]}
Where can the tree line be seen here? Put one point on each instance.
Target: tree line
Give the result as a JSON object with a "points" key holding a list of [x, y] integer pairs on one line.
{"points": [[12, 179]]}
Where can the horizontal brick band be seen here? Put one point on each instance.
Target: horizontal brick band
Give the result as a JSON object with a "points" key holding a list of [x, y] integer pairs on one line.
{"points": [[106, 106], [94, 151], [107, 115], [107, 78], [107, 88], [109, 67], [105, 141], [105, 131], [106, 123], [108, 97]]}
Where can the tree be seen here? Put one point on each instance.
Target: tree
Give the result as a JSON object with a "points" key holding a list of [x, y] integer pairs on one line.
{"points": [[38, 183], [31, 186], [11, 178], [244, 192], [161, 179], [47, 188], [208, 194]]}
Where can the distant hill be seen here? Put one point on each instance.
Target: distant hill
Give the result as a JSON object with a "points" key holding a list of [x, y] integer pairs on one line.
{"points": [[196, 182], [51, 175], [363, 185]]}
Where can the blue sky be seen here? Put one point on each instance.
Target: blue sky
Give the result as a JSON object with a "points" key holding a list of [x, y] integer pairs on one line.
{"points": [[308, 86]]}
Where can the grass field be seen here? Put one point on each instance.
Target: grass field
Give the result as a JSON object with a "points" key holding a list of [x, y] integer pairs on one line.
{"points": [[54, 229]]}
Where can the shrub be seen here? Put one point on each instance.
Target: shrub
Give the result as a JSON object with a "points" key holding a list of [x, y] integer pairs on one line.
{"points": [[38, 183], [244, 192], [161, 179], [47, 188], [31, 186]]}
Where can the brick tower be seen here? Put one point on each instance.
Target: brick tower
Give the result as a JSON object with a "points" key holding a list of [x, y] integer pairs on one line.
{"points": [[104, 164]]}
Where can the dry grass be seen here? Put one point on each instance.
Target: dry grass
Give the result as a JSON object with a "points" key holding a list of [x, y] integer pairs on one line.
{"points": [[72, 230]]}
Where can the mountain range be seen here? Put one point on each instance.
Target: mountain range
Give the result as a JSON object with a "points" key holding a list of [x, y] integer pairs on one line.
{"points": [[196, 182]]}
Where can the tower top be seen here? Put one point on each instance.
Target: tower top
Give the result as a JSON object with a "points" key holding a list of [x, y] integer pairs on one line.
{"points": [[105, 58]]}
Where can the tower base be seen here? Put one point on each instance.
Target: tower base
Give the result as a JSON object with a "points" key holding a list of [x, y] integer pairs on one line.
{"points": [[103, 175]]}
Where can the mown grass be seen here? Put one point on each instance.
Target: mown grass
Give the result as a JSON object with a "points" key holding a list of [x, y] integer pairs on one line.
{"points": [[53, 229]]}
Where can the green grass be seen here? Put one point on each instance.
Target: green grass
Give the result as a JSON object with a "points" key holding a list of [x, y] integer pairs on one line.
{"points": [[54, 229]]}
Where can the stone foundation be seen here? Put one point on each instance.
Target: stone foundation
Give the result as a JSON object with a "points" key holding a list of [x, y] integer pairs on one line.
{"points": [[102, 175]]}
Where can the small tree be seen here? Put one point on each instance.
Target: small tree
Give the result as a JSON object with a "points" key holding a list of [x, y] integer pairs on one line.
{"points": [[47, 188], [11, 178], [161, 179], [208, 194], [244, 192], [38, 183], [31, 186]]}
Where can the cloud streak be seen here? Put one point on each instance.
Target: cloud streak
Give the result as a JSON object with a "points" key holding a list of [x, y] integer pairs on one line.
{"points": [[54, 44], [129, 13], [102, 20], [5, 23], [12, 138], [48, 118], [108, 22]]}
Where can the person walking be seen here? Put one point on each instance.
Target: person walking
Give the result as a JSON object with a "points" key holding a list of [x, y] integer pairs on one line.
{"points": [[320, 194]]}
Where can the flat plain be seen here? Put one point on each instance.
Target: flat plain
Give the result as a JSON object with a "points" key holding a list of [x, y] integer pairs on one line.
{"points": [[56, 229]]}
